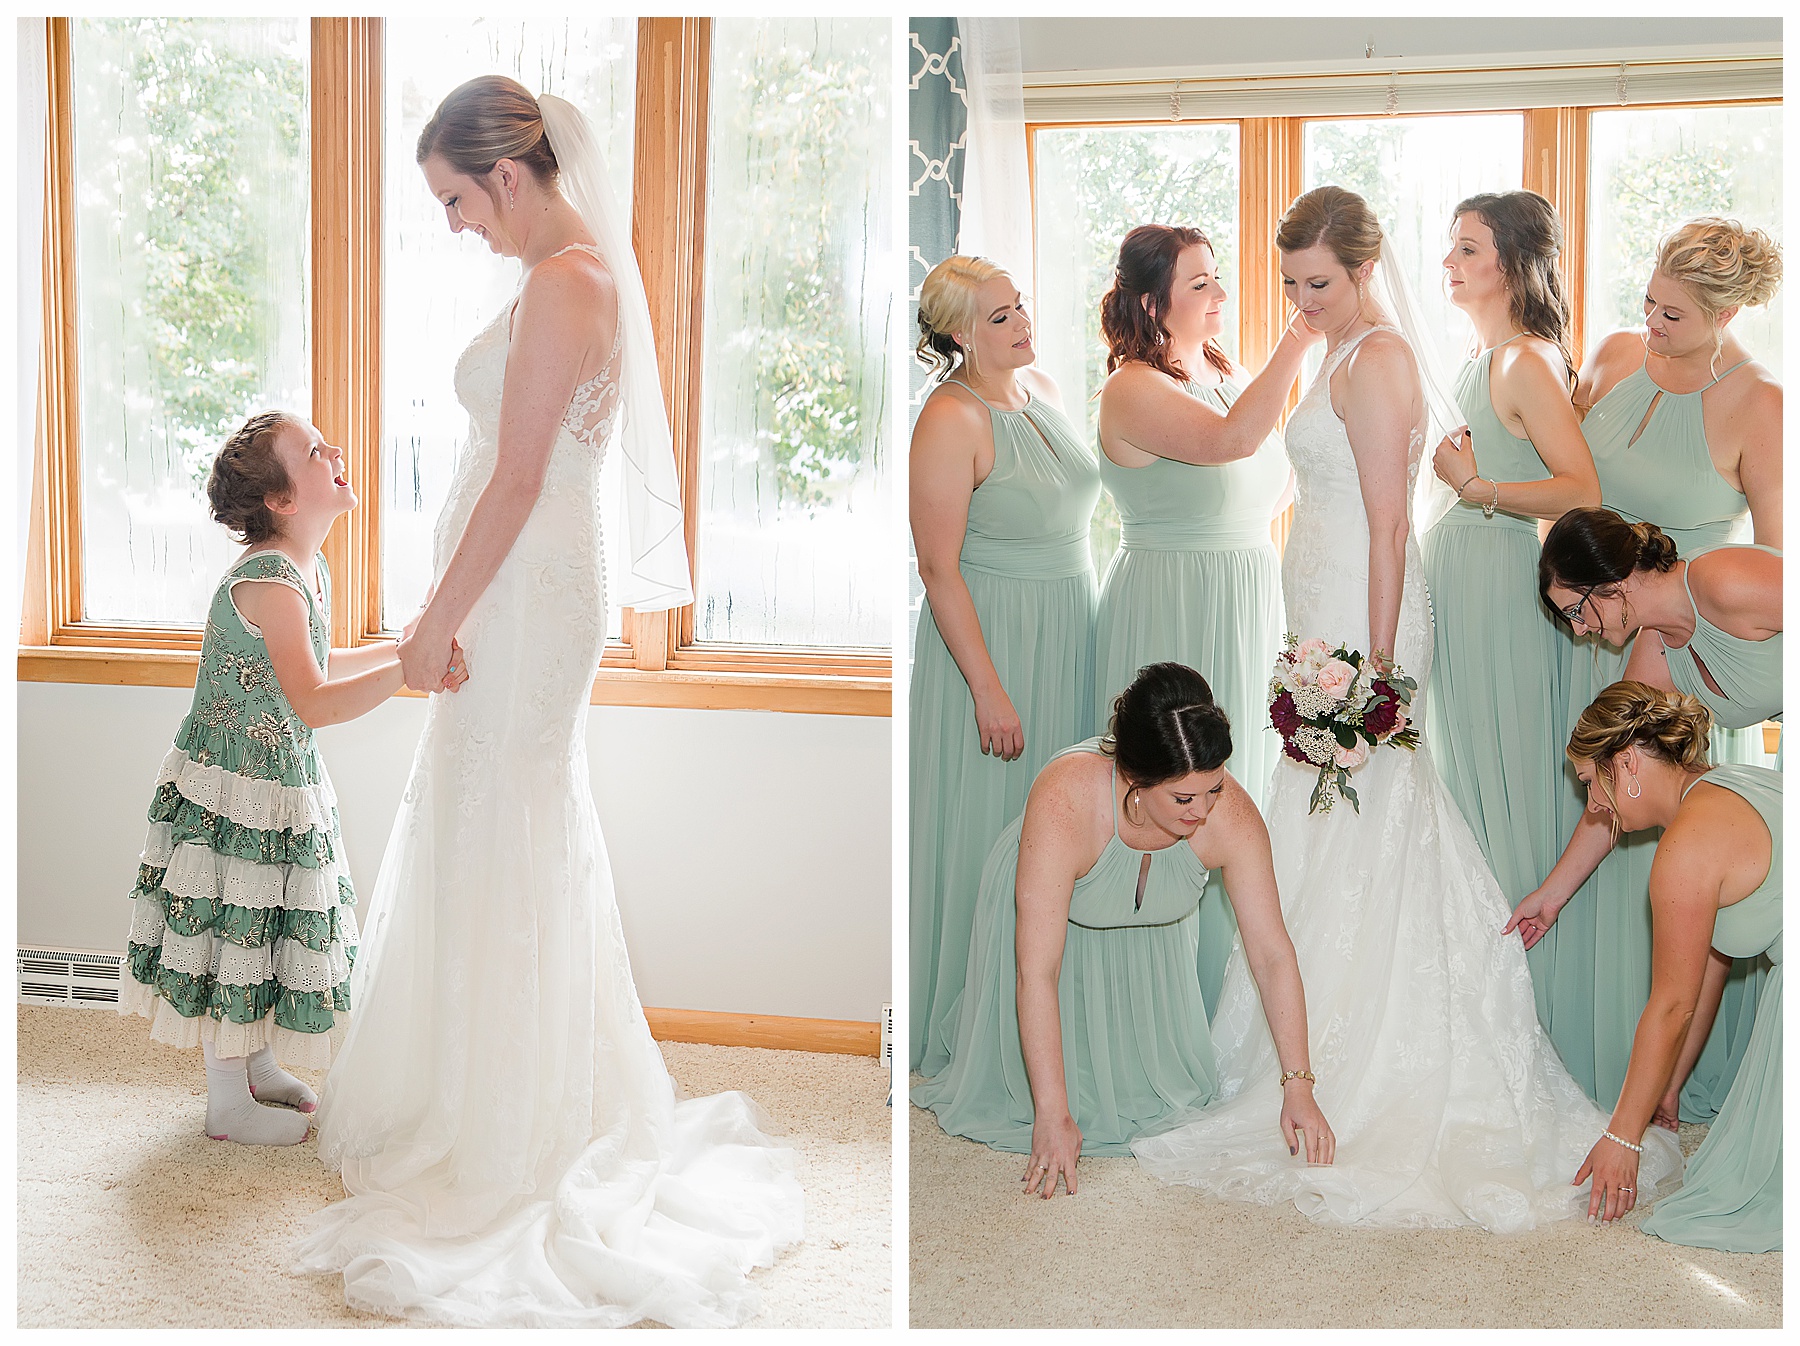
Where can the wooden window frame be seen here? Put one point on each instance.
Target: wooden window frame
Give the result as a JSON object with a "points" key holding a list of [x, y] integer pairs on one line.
{"points": [[658, 662]]}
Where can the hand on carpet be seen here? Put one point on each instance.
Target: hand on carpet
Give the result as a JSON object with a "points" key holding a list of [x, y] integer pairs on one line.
{"points": [[1055, 1150]]}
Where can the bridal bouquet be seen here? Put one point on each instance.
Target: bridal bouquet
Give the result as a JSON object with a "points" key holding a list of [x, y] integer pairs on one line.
{"points": [[1332, 707]]}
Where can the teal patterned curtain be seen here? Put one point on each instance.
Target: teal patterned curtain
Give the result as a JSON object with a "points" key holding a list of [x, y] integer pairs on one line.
{"points": [[938, 121]]}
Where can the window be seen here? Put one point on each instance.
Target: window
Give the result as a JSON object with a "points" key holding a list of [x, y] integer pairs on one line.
{"points": [[1651, 170], [439, 288], [1094, 184], [796, 485], [1412, 171], [335, 289], [191, 288]]}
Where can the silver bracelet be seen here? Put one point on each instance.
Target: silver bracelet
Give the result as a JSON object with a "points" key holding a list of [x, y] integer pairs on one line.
{"points": [[1620, 1140]]}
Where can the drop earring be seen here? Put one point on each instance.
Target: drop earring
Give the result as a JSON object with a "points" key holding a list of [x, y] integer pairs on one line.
{"points": [[1633, 790]]}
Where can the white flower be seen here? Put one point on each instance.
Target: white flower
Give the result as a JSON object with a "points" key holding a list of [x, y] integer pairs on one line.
{"points": [[1320, 747], [1311, 702]]}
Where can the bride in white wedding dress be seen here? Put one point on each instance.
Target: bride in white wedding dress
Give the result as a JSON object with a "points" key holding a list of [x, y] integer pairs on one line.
{"points": [[1450, 1105], [511, 1142]]}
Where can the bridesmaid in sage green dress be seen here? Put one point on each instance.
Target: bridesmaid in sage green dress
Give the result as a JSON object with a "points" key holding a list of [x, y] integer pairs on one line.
{"points": [[1519, 458], [1197, 473], [1002, 492], [1094, 1031], [1685, 429], [1641, 753], [1711, 628]]}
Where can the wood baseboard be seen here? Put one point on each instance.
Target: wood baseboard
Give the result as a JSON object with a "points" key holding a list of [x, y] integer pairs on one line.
{"points": [[850, 1037]]}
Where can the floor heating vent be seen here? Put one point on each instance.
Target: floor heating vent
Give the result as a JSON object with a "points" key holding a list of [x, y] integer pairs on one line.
{"points": [[79, 977]]}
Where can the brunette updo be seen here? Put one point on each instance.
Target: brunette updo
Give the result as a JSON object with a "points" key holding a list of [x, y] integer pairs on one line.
{"points": [[1145, 269], [483, 121], [1338, 219], [247, 471], [1166, 725], [947, 306], [1528, 241], [1593, 547]]}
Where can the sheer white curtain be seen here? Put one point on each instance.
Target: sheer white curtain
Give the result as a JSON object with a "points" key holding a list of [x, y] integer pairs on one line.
{"points": [[996, 201], [28, 310]]}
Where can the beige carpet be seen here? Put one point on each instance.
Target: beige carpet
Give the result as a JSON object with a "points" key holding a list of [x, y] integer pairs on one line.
{"points": [[130, 1217], [1128, 1251]]}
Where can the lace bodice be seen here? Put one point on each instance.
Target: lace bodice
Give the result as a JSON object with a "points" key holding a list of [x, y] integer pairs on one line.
{"points": [[1325, 568], [581, 442]]}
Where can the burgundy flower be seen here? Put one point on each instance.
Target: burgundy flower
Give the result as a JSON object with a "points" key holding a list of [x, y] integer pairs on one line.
{"points": [[1284, 715], [1381, 719], [1287, 746]]}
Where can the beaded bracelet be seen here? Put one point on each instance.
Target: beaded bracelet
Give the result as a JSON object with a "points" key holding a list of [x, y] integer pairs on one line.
{"points": [[1620, 1140], [1306, 1075]]}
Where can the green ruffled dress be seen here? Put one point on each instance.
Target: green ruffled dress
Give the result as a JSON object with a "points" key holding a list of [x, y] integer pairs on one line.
{"points": [[1496, 672], [1731, 1196], [1136, 1047], [242, 928], [1026, 561], [1196, 580], [1594, 980]]}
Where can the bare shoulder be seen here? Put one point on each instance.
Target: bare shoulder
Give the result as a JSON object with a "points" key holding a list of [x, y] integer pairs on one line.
{"points": [[568, 294], [950, 412], [1533, 362], [1234, 829], [1071, 796], [1040, 384], [1758, 392], [1382, 354], [1618, 354], [1713, 826]]}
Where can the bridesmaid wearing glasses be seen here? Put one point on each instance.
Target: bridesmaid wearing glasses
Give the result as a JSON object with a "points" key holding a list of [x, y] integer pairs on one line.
{"points": [[1685, 429], [1002, 492], [1520, 457]]}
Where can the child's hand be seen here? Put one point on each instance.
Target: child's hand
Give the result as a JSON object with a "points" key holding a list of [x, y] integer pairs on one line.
{"points": [[458, 671]]}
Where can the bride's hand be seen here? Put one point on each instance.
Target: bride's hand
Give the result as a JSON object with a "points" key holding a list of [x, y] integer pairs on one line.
{"points": [[1454, 461], [1301, 1118], [1534, 916], [458, 671]]}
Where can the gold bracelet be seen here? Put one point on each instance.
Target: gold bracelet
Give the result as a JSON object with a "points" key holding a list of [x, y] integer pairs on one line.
{"points": [[1306, 1075]]}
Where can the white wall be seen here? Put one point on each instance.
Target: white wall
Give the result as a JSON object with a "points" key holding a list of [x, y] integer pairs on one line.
{"points": [[751, 850], [1117, 44]]}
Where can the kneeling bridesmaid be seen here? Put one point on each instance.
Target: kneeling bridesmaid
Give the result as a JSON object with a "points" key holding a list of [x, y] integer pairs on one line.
{"points": [[1081, 1023], [1716, 882]]}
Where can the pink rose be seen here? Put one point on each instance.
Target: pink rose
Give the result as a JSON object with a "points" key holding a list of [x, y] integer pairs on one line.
{"points": [[1335, 679], [1351, 758], [1314, 652]]}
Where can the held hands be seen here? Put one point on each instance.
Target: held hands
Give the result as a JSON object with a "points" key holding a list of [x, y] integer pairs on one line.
{"points": [[1303, 1122], [1533, 917], [1615, 1172], [1002, 735], [428, 662], [1454, 461], [1055, 1148]]}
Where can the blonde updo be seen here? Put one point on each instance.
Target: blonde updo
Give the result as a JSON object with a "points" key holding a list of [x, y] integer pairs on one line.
{"points": [[947, 306], [483, 121], [1670, 725], [1335, 217], [1721, 264]]}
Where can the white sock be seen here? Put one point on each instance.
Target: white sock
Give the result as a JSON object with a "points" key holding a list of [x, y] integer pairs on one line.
{"points": [[269, 1083], [231, 1114]]}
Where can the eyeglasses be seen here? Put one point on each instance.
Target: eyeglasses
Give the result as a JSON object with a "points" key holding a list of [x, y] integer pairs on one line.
{"points": [[1572, 613]]}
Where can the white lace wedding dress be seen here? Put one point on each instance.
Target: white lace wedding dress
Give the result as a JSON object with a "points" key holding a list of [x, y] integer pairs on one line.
{"points": [[500, 1115], [1449, 1104]]}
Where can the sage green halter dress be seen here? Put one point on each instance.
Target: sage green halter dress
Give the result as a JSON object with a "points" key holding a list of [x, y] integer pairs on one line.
{"points": [[1135, 1042], [1497, 671], [242, 931], [1026, 561], [1746, 672], [1197, 581], [1596, 974], [1731, 1197]]}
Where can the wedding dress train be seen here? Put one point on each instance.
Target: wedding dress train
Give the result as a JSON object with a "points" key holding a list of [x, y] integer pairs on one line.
{"points": [[1449, 1104]]}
